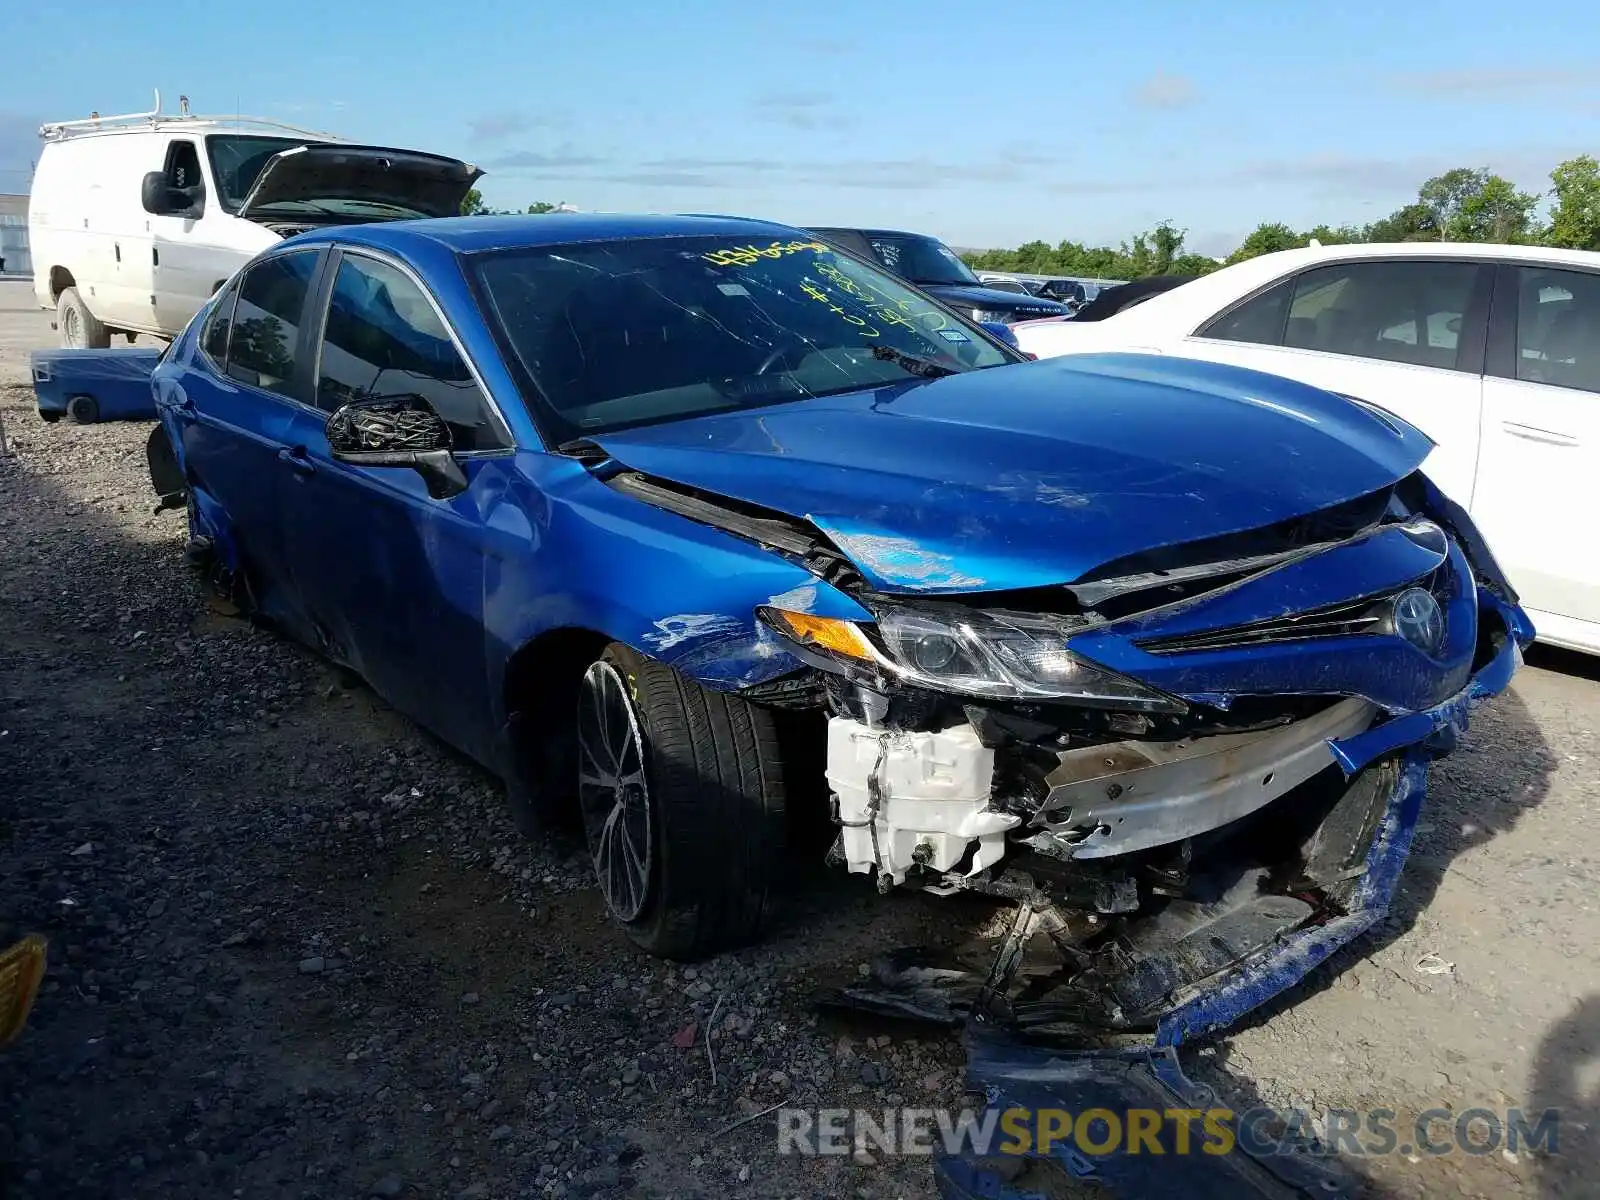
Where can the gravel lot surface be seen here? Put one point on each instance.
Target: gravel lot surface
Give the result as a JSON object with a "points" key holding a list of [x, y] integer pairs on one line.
{"points": [[297, 949]]}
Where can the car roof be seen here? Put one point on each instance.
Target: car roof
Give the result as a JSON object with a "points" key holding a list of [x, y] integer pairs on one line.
{"points": [[1311, 255], [468, 235], [868, 232], [1202, 297]]}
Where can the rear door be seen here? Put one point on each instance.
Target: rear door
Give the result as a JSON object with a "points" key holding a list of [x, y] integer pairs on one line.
{"points": [[1539, 470], [1405, 334], [238, 405], [392, 578]]}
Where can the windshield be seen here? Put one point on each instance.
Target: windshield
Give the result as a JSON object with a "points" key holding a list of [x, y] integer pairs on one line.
{"points": [[921, 259], [237, 159], [623, 333]]}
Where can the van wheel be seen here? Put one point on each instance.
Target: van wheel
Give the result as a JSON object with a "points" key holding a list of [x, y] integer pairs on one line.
{"points": [[80, 329], [682, 798]]}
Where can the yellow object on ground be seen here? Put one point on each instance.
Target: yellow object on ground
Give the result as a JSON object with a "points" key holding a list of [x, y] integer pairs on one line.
{"points": [[21, 969]]}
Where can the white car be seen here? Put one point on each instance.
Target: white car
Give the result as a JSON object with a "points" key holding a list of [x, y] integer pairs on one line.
{"points": [[1493, 351], [134, 221]]}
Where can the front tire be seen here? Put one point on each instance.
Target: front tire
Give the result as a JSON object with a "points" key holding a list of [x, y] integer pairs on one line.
{"points": [[80, 329], [681, 793]]}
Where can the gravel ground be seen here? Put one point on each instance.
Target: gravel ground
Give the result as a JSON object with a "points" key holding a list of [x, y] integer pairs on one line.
{"points": [[297, 949]]}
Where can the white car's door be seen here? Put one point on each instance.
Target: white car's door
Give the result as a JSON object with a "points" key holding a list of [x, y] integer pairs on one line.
{"points": [[1404, 334], [1539, 469]]}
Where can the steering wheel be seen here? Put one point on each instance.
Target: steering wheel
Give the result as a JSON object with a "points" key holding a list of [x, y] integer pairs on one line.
{"points": [[780, 352]]}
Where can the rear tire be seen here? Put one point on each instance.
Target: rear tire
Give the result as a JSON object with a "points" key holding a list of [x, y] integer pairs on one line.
{"points": [[80, 329], [682, 797]]}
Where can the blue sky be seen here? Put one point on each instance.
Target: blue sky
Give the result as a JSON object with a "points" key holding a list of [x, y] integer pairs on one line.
{"points": [[987, 124]]}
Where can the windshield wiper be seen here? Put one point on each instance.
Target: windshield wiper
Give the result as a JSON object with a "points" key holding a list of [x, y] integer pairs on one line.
{"points": [[924, 368]]}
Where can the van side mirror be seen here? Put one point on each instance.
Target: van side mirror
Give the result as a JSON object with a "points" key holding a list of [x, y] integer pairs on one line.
{"points": [[397, 431], [160, 198]]}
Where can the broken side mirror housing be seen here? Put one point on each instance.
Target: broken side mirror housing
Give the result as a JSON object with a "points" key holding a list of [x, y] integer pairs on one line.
{"points": [[397, 431]]}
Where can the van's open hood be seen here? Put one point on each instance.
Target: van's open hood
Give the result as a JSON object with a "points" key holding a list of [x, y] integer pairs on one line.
{"points": [[430, 183]]}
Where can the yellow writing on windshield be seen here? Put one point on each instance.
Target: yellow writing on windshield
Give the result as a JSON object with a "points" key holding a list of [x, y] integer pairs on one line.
{"points": [[881, 307], [821, 297], [744, 256]]}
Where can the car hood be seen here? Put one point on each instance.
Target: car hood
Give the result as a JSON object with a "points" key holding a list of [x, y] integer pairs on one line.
{"points": [[430, 183], [961, 295], [1036, 474]]}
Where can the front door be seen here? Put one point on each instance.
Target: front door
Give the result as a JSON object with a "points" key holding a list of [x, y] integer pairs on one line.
{"points": [[185, 271], [1539, 471], [392, 577]]}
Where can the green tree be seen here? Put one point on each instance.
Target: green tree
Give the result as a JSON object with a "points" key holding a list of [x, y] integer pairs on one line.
{"points": [[1575, 218], [1413, 223], [544, 206], [1267, 238], [1474, 205], [472, 204]]}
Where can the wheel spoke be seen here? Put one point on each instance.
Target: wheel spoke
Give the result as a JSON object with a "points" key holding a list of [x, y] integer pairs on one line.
{"points": [[614, 790]]}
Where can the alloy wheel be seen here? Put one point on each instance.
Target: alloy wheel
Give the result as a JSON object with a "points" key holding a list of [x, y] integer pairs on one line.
{"points": [[613, 792]]}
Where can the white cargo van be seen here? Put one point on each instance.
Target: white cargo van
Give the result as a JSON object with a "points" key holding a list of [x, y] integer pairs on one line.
{"points": [[134, 221]]}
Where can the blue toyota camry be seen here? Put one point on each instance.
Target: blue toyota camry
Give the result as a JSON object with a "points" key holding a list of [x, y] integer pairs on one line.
{"points": [[663, 519]]}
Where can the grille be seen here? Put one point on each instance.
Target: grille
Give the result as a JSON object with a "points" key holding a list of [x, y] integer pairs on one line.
{"points": [[1348, 618]]}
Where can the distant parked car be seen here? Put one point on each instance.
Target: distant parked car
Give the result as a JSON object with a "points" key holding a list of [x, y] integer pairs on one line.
{"points": [[134, 221], [1492, 351], [939, 271], [678, 521]]}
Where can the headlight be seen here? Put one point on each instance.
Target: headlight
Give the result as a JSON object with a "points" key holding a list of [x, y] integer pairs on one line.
{"points": [[968, 652], [981, 315]]}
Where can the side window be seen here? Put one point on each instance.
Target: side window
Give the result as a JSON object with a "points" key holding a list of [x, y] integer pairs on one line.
{"points": [[1558, 328], [1401, 311], [383, 339], [182, 171], [1259, 319], [214, 337], [266, 321]]}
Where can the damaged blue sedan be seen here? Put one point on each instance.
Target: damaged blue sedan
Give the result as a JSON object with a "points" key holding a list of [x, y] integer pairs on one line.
{"points": [[666, 519]]}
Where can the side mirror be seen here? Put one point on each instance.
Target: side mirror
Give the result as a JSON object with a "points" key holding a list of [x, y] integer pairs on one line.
{"points": [[160, 198], [155, 195], [397, 431]]}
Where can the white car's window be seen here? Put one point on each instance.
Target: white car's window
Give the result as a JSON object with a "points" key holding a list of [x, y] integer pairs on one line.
{"points": [[1558, 328], [1408, 312]]}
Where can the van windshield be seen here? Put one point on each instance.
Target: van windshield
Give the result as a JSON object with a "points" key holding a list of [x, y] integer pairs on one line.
{"points": [[237, 159]]}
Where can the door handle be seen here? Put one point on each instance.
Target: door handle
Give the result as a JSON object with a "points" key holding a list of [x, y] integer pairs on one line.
{"points": [[1533, 433], [117, 246], [298, 460]]}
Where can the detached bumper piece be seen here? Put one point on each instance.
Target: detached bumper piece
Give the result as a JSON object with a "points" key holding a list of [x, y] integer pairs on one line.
{"points": [[94, 385], [1135, 1089]]}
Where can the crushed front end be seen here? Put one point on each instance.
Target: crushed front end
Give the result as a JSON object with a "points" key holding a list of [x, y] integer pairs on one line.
{"points": [[1196, 772]]}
